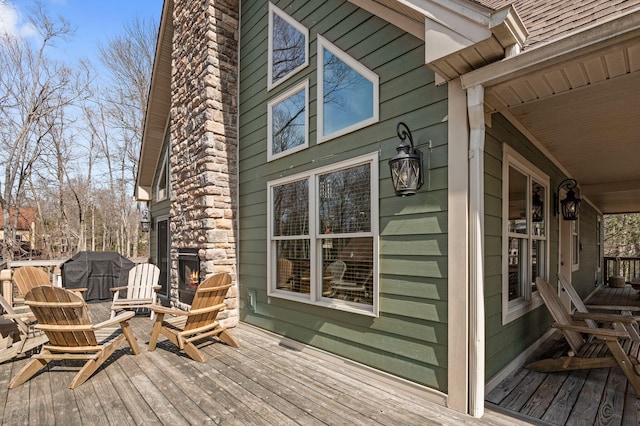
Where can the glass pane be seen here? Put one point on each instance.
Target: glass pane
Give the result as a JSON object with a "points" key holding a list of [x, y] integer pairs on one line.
{"points": [[517, 267], [517, 201], [347, 97], [291, 209], [538, 209], [293, 265], [288, 48], [347, 265], [288, 123], [538, 261], [345, 201]]}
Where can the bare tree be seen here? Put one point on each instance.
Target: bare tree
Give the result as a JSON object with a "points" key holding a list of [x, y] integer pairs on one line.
{"points": [[129, 60], [34, 90]]}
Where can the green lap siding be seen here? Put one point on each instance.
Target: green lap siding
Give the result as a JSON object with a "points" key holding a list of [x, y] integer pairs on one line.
{"points": [[409, 337]]}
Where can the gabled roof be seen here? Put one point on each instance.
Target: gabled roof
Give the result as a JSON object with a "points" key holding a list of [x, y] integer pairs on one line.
{"points": [[551, 19]]}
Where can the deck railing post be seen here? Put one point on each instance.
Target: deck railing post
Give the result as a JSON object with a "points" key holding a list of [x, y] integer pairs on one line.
{"points": [[7, 285]]}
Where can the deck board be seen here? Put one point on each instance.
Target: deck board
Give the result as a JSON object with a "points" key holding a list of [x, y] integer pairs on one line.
{"points": [[267, 381], [597, 396]]}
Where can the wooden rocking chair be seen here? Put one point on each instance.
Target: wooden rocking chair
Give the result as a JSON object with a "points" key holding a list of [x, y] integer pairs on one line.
{"points": [[64, 317], [587, 354], [186, 327], [141, 289], [18, 335]]}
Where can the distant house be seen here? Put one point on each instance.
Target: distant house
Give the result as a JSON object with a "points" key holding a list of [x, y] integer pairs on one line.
{"points": [[265, 154], [26, 228]]}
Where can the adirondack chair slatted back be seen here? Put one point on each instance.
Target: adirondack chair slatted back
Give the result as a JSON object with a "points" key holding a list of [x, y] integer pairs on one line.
{"points": [[142, 278], [559, 313], [211, 292], [28, 277], [56, 306]]}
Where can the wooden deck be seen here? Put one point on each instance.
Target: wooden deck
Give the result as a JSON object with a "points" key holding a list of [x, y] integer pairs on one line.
{"points": [[266, 381], [599, 396]]}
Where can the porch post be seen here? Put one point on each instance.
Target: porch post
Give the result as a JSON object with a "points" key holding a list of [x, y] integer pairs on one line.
{"points": [[458, 249], [475, 106]]}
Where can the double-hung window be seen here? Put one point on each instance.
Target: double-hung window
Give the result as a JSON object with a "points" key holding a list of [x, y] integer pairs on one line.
{"points": [[525, 237], [323, 236]]}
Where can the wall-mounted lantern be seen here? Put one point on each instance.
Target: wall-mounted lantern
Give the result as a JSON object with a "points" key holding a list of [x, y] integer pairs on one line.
{"points": [[537, 213], [145, 221], [407, 173], [570, 206]]}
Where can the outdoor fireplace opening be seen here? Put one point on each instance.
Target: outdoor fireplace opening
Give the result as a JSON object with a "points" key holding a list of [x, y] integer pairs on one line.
{"points": [[188, 274]]}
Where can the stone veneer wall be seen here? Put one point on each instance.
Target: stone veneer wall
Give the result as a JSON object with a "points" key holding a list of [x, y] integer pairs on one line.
{"points": [[204, 139]]}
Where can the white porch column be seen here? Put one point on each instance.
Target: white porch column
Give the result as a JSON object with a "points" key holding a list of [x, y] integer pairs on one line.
{"points": [[458, 250], [475, 105]]}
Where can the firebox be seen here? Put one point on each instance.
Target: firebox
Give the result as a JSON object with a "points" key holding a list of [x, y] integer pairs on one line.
{"points": [[188, 274]]}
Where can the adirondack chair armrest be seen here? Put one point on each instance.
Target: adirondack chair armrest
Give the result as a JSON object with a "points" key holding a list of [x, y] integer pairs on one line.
{"points": [[614, 308], [217, 307], [627, 319], [122, 317], [156, 287], [601, 333], [165, 310], [114, 289]]}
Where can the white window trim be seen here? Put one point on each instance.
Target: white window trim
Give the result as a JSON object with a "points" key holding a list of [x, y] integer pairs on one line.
{"points": [[298, 26], [315, 297], [280, 98], [323, 43], [575, 245], [511, 310], [162, 194]]}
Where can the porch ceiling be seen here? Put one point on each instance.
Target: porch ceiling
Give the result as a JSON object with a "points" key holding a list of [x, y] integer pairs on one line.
{"points": [[583, 109]]}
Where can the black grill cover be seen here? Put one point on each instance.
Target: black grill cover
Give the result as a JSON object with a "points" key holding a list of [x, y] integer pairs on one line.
{"points": [[98, 271]]}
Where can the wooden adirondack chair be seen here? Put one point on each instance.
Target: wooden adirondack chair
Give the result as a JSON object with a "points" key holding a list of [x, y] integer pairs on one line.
{"points": [[64, 317], [581, 308], [28, 277], [141, 290], [186, 327], [585, 354], [18, 336]]}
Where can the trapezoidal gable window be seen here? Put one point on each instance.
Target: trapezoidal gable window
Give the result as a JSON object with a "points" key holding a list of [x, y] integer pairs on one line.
{"points": [[288, 47], [323, 236], [288, 122], [347, 93], [525, 234]]}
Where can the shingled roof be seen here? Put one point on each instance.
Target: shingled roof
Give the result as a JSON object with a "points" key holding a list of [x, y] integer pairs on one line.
{"points": [[551, 19]]}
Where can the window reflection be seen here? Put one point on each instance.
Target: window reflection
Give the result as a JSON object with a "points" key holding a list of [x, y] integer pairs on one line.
{"points": [[517, 201], [289, 122], [288, 45]]}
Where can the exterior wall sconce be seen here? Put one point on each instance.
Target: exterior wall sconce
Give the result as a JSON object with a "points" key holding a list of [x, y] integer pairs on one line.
{"points": [[570, 206], [145, 221], [538, 207], [407, 173]]}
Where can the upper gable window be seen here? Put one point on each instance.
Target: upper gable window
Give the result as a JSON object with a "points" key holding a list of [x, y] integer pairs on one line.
{"points": [[287, 122], [162, 184], [347, 93], [288, 46]]}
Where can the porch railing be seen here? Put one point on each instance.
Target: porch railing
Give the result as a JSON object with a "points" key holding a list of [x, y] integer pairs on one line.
{"points": [[627, 267]]}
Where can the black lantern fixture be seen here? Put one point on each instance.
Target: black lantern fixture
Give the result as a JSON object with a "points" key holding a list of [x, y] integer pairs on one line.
{"points": [[145, 221], [537, 213], [406, 166], [570, 206]]}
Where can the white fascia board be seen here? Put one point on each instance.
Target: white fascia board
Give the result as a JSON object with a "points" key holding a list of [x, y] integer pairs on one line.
{"points": [[143, 193]]}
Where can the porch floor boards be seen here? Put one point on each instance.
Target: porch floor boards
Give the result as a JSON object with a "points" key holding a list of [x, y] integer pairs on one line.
{"points": [[582, 397], [264, 382]]}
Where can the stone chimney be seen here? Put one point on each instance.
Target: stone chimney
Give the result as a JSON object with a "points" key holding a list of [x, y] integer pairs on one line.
{"points": [[204, 116]]}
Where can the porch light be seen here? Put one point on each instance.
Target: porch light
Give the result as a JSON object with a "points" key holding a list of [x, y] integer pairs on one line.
{"points": [[570, 206], [145, 220], [537, 207], [407, 173]]}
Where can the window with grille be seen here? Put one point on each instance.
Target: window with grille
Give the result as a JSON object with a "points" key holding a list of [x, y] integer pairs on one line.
{"points": [[323, 236]]}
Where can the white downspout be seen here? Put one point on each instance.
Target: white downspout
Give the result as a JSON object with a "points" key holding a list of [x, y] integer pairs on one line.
{"points": [[475, 107]]}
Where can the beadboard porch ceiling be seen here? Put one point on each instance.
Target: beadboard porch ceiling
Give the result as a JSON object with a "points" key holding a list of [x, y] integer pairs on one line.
{"points": [[579, 100]]}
